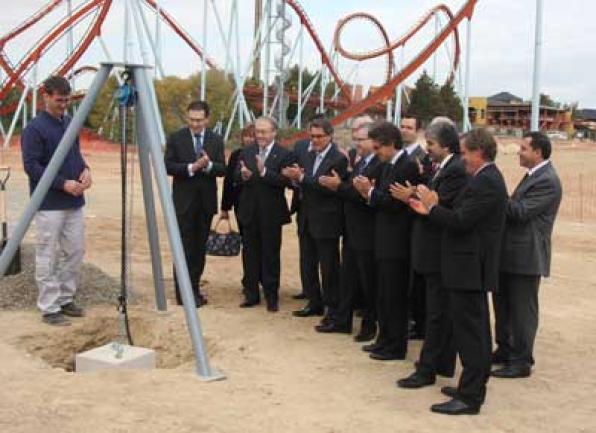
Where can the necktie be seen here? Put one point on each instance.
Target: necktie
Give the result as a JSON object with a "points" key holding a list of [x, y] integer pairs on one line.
{"points": [[198, 144], [318, 161], [362, 167]]}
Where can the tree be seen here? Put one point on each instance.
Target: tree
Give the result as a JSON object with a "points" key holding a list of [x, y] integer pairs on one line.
{"points": [[546, 101], [425, 100], [452, 106]]}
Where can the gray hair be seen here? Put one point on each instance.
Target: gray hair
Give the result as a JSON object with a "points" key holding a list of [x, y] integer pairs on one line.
{"points": [[444, 132], [360, 121], [271, 120]]}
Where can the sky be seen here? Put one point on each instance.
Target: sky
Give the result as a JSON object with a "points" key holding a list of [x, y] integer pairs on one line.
{"points": [[501, 50]]}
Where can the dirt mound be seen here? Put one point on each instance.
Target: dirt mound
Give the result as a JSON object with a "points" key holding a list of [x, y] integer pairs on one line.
{"points": [[164, 333], [20, 291]]}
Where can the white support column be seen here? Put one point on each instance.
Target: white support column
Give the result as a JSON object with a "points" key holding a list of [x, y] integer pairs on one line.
{"points": [[535, 124], [266, 70], [466, 117], [203, 60], [300, 83]]}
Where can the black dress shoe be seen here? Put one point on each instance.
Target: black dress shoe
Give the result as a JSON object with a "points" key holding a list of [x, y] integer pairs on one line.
{"points": [[373, 347], [364, 336], [201, 300], [382, 355], [331, 327], [512, 372], [248, 304], [449, 391], [455, 407], [299, 296], [272, 307], [416, 380], [308, 311]]}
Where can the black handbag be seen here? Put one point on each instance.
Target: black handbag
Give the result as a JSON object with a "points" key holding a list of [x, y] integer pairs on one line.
{"points": [[223, 244]]}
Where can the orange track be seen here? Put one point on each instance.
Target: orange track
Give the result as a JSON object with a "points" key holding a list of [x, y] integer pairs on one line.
{"points": [[15, 73]]}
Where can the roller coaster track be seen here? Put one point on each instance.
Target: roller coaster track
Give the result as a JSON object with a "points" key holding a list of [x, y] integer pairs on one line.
{"points": [[393, 79], [16, 73]]}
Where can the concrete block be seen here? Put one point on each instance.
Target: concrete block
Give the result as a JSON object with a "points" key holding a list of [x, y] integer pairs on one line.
{"points": [[104, 358]]}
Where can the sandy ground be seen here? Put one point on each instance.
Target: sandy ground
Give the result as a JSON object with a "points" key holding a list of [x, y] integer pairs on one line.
{"points": [[281, 375]]}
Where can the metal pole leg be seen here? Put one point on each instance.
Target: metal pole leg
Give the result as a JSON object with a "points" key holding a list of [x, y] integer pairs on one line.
{"points": [[53, 167], [150, 216], [192, 318]]}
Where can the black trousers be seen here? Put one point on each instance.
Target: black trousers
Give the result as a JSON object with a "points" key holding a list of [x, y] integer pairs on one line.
{"points": [[326, 292], [392, 306], [516, 317], [244, 265], [438, 351], [194, 230], [471, 334], [357, 287], [417, 301], [309, 272], [262, 245]]}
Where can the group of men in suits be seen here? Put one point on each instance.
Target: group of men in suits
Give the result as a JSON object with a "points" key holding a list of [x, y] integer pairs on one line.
{"points": [[441, 215]]}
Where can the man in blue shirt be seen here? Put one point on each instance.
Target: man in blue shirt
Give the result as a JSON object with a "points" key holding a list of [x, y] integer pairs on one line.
{"points": [[60, 246]]}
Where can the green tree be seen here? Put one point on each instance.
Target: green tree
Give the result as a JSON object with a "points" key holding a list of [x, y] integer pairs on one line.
{"points": [[425, 100], [452, 106]]}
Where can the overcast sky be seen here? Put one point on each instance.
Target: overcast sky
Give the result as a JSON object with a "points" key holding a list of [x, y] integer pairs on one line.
{"points": [[502, 40]]}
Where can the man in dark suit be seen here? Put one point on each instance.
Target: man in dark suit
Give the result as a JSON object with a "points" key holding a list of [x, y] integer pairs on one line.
{"points": [[359, 233], [321, 218], [309, 274], [391, 239], [410, 132], [470, 253], [263, 212], [232, 187], [194, 157], [438, 352], [526, 256]]}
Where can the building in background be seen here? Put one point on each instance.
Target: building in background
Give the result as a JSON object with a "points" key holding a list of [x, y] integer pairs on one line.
{"points": [[509, 114]]}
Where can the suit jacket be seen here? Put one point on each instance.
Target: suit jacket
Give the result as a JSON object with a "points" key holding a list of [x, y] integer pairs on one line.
{"points": [[471, 242], [422, 156], [202, 186], [393, 218], [426, 236], [263, 200], [359, 216], [300, 151], [231, 186], [531, 214], [321, 210]]}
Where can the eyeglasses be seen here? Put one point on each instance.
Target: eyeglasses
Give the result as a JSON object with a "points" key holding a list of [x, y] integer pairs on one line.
{"points": [[318, 136], [196, 120]]}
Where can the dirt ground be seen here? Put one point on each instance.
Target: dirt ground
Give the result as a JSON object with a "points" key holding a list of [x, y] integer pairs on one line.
{"points": [[281, 375]]}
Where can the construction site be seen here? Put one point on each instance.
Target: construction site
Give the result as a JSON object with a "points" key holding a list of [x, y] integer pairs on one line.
{"points": [[218, 369]]}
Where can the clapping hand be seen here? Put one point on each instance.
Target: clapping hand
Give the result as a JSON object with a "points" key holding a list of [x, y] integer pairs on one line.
{"points": [[244, 171], [332, 181], [293, 172], [401, 192], [427, 197], [363, 185], [260, 165]]}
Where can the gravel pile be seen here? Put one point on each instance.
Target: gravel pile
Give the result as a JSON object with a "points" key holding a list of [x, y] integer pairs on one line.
{"points": [[19, 291]]}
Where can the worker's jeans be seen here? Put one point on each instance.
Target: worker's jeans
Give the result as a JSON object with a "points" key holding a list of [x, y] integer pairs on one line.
{"points": [[59, 253]]}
